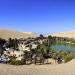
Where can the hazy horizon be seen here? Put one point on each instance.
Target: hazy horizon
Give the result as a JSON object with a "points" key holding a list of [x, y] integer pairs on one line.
{"points": [[41, 16]]}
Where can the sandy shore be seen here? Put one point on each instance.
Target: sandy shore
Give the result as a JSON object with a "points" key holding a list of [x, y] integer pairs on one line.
{"points": [[62, 69]]}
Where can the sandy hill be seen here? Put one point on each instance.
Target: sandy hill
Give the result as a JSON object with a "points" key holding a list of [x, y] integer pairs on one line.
{"points": [[5, 34], [69, 34]]}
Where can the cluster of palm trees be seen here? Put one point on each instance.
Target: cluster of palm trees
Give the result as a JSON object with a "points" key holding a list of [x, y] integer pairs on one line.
{"points": [[39, 55], [12, 43], [42, 53]]}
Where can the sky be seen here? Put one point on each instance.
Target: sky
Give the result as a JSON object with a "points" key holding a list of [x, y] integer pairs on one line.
{"points": [[41, 16]]}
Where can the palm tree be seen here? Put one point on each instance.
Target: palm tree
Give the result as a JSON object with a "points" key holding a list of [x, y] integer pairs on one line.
{"points": [[39, 58], [27, 57]]}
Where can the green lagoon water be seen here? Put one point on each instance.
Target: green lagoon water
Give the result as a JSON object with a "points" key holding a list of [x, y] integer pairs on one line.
{"points": [[63, 46]]}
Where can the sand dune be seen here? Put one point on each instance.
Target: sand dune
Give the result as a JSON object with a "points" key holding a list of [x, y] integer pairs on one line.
{"points": [[14, 34], [69, 34], [61, 69]]}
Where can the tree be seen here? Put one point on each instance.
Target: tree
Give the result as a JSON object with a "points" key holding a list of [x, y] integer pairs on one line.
{"points": [[49, 40], [39, 56], [12, 43], [27, 57], [40, 37], [2, 41]]}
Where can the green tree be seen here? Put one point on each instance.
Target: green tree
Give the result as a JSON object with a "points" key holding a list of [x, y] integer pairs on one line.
{"points": [[39, 56], [2, 41], [12, 43], [27, 57]]}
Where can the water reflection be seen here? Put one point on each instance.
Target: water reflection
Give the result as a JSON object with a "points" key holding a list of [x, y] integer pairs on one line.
{"points": [[63, 46]]}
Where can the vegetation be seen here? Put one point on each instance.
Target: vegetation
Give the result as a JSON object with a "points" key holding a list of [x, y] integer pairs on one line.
{"points": [[44, 52], [16, 62], [41, 53], [2, 42], [68, 58], [13, 61], [27, 59], [12, 43]]}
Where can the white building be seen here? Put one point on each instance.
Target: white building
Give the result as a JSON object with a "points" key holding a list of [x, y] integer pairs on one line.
{"points": [[23, 47], [34, 46], [17, 54]]}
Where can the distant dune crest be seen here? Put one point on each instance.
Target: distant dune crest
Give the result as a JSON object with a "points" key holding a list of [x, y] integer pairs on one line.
{"points": [[5, 34], [27, 32], [69, 34]]}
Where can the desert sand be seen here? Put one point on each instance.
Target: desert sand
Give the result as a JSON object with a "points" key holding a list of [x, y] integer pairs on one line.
{"points": [[68, 34], [6, 34], [55, 69]]}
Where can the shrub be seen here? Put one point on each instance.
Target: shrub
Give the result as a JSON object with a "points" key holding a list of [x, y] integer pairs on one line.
{"points": [[12, 59], [16, 62], [12, 62], [68, 58]]}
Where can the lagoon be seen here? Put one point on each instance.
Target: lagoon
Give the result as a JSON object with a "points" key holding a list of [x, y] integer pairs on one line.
{"points": [[63, 46]]}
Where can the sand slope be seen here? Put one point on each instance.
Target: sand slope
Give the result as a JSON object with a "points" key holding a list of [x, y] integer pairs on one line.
{"points": [[69, 34], [5, 34], [62, 69]]}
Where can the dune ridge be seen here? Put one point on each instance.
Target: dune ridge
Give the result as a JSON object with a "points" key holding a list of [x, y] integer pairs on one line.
{"points": [[69, 34], [5, 34]]}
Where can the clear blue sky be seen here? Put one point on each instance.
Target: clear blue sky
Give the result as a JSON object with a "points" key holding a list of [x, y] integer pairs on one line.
{"points": [[37, 15]]}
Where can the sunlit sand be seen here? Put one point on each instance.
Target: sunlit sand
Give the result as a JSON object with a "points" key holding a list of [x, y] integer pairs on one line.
{"points": [[55, 69]]}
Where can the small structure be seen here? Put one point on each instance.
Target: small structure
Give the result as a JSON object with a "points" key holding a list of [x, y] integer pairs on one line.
{"points": [[34, 46], [23, 47], [12, 52]]}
